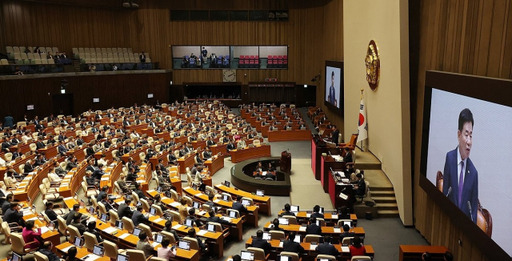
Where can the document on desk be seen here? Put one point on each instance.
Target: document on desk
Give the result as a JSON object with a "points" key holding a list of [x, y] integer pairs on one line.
{"points": [[312, 247], [337, 230], [175, 204], [281, 244], [202, 232], [90, 257], [154, 244], [109, 230], [334, 216], [158, 220], [44, 230], [65, 250], [302, 229], [199, 194], [125, 235], [308, 215], [178, 226], [345, 249]]}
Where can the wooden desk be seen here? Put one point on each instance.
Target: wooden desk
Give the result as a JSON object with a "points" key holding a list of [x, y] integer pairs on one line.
{"points": [[219, 148], [289, 135], [326, 164], [214, 164], [345, 255], [263, 202], [252, 217], [359, 231], [250, 153], [185, 162], [82, 251], [414, 252], [328, 217]]}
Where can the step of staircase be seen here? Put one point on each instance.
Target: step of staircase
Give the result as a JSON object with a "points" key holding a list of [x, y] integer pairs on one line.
{"points": [[387, 213], [384, 199]]}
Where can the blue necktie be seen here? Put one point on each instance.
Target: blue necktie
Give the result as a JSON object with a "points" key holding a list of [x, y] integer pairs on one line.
{"points": [[461, 183]]}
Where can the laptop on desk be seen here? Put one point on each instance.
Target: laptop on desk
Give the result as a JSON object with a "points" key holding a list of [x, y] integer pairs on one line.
{"points": [[185, 245], [98, 250]]}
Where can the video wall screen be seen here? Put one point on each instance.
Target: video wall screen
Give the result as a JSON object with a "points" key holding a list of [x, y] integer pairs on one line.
{"points": [[466, 153], [231, 57], [334, 88]]}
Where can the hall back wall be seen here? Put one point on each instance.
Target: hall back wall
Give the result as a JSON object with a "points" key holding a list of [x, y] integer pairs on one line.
{"points": [[150, 29]]}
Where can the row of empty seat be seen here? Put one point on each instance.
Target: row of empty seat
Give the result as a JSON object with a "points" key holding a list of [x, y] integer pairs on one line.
{"points": [[108, 55]]}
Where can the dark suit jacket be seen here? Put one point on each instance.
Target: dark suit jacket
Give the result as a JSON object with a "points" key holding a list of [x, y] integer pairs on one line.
{"points": [[238, 206], [327, 249], [292, 246], [261, 243], [335, 136], [124, 211], [138, 218], [313, 229], [470, 188], [317, 215]]}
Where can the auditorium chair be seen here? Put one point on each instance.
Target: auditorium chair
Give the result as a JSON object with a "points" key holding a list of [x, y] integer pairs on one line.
{"points": [[259, 254], [361, 258], [483, 216], [276, 234], [193, 243], [135, 254], [325, 257], [90, 241], [351, 144], [169, 236], [312, 238], [293, 256], [73, 233], [19, 246], [38, 256]]}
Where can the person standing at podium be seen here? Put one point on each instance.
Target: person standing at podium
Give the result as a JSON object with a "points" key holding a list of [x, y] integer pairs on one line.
{"points": [[460, 180], [335, 135]]}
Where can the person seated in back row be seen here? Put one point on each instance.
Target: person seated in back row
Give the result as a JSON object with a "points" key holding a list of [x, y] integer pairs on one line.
{"points": [[287, 211], [316, 212]]}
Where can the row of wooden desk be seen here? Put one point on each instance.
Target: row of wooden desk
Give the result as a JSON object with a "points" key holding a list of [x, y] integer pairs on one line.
{"points": [[250, 153]]}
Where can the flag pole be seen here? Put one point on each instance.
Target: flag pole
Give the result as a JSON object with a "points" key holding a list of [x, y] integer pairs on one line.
{"points": [[362, 95]]}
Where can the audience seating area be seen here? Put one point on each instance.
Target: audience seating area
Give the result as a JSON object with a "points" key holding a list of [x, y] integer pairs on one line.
{"points": [[249, 61], [277, 61], [108, 55], [35, 55]]}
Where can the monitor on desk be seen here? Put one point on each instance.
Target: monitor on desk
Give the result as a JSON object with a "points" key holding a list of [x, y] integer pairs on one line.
{"points": [[294, 209], [185, 245], [283, 221], [196, 205], [91, 210], [15, 257], [266, 236], [247, 255], [321, 211], [152, 211], [227, 183], [98, 250], [347, 222], [136, 231], [78, 241], [211, 227], [246, 202], [119, 224], [225, 197], [121, 257], [104, 217], [232, 214], [297, 239], [159, 238], [284, 258], [159, 189], [260, 192], [189, 222]]}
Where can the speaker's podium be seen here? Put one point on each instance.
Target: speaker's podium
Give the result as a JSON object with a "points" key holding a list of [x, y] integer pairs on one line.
{"points": [[286, 162]]}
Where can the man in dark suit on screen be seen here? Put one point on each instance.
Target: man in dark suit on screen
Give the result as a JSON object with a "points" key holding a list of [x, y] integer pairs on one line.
{"points": [[331, 98], [460, 181]]}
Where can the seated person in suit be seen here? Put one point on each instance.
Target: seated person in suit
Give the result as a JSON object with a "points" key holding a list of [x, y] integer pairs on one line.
{"points": [[346, 232], [144, 245], [313, 228], [138, 217], [13, 215], [78, 224], [259, 170], [287, 211], [316, 212], [91, 228], [326, 248], [50, 213], [139, 192], [275, 225], [7, 203], [192, 233], [237, 205], [360, 186], [357, 248], [195, 221], [46, 250], [214, 218], [292, 246], [260, 242], [348, 156]]}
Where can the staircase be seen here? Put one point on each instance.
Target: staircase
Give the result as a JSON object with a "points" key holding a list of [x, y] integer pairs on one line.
{"points": [[380, 187]]}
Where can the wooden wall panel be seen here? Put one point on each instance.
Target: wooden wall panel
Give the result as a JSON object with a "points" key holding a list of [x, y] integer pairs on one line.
{"points": [[462, 36], [150, 29], [133, 88]]}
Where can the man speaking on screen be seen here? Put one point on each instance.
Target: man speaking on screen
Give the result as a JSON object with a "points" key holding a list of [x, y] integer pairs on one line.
{"points": [[460, 181], [332, 92]]}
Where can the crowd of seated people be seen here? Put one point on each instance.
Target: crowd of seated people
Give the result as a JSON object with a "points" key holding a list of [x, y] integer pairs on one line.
{"points": [[214, 61], [269, 117], [37, 55], [78, 140], [267, 172]]}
